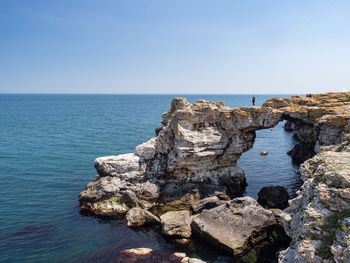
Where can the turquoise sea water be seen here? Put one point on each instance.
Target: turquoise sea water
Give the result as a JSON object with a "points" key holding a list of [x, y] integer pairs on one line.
{"points": [[47, 147]]}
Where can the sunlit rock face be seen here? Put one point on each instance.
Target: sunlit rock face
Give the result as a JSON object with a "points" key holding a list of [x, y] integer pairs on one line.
{"points": [[318, 219], [193, 157], [321, 119]]}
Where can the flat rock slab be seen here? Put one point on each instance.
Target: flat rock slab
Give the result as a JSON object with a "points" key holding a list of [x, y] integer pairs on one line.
{"points": [[176, 224], [235, 226]]}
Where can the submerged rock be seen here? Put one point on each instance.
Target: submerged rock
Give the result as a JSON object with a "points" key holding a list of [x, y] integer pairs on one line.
{"points": [[176, 224], [235, 226], [148, 255], [273, 197], [140, 217]]}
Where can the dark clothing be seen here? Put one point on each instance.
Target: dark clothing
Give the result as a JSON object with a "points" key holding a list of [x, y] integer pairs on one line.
{"points": [[253, 100]]}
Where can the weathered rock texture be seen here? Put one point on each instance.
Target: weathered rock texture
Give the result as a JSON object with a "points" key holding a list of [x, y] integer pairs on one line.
{"points": [[235, 226], [193, 157], [176, 224], [140, 217], [318, 219], [320, 119]]}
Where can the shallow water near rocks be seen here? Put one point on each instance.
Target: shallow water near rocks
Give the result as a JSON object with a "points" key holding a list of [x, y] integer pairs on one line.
{"points": [[47, 148]]}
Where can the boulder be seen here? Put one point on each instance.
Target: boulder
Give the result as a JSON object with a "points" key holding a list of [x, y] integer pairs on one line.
{"points": [[301, 152], [273, 197], [139, 217], [235, 226], [288, 126], [182, 242], [206, 203], [176, 224]]}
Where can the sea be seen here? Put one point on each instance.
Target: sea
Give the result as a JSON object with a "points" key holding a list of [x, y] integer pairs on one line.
{"points": [[48, 144]]}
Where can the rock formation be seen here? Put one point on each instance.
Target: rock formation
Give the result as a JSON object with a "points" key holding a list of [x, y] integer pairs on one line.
{"points": [[320, 119], [193, 157], [318, 219]]}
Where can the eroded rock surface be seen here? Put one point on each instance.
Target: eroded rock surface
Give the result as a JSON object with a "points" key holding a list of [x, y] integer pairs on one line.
{"points": [[319, 119], [176, 224], [318, 219], [140, 217], [235, 226], [193, 157]]}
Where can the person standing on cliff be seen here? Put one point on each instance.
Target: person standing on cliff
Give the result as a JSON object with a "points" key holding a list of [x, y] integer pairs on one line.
{"points": [[253, 100]]}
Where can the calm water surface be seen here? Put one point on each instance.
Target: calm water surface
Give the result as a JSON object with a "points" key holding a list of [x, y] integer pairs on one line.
{"points": [[47, 147]]}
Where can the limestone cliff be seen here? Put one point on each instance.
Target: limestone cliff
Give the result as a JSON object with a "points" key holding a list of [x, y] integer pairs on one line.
{"points": [[318, 219], [320, 119], [193, 156]]}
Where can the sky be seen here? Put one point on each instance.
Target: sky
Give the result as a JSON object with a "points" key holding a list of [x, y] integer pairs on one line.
{"points": [[176, 47]]}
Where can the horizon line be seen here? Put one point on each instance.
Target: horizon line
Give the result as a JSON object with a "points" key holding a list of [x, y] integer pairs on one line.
{"points": [[34, 93]]}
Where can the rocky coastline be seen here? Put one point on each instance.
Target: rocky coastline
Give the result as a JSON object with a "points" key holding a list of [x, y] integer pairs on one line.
{"points": [[187, 180]]}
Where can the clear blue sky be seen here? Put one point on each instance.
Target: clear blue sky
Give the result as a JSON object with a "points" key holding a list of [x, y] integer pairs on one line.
{"points": [[182, 46]]}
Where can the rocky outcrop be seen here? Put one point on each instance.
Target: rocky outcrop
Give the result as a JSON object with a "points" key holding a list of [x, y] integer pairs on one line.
{"points": [[318, 219], [273, 197], [319, 119], [193, 157], [235, 226]]}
